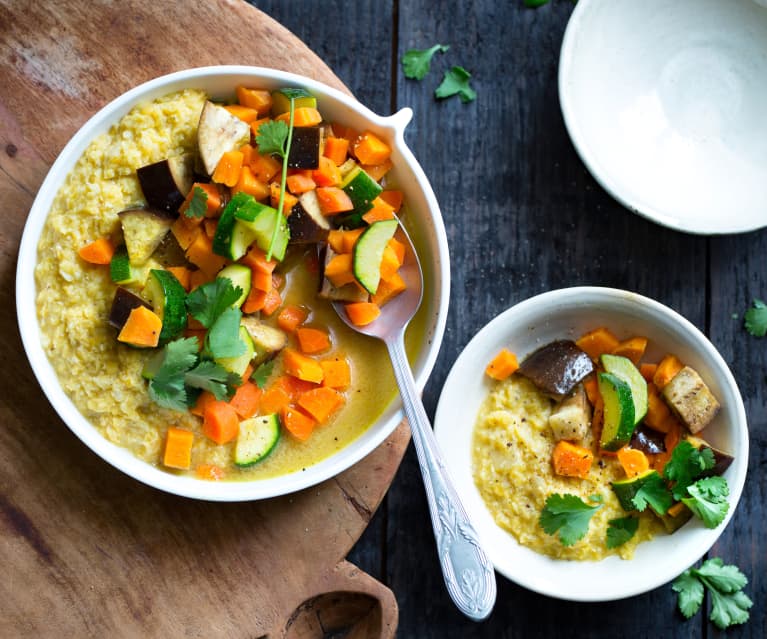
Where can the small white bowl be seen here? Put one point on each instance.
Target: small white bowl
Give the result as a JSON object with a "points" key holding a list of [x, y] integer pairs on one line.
{"points": [[424, 222], [568, 313], [666, 103]]}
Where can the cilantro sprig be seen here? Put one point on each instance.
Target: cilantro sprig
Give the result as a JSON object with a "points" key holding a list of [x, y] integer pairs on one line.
{"points": [[620, 530], [725, 583], [755, 319], [706, 497], [208, 301], [262, 373], [198, 205], [655, 494], [275, 138], [417, 62], [181, 370], [568, 515], [456, 82]]}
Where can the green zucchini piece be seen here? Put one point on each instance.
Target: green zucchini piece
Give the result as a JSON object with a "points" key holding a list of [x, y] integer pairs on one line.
{"points": [[257, 438], [301, 98], [624, 368], [224, 241], [239, 364], [260, 219], [361, 189], [368, 253], [619, 411], [166, 295], [120, 269], [239, 275]]}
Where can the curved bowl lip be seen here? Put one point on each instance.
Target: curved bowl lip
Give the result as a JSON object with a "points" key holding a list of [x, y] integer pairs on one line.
{"points": [[469, 364], [82, 428], [589, 155]]}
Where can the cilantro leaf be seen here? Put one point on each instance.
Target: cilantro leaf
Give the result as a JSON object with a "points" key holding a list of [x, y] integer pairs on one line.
{"points": [[619, 531], [456, 82], [198, 204], [568, 515], [653, 493], [685, 465], [212, 377], [755, 319], [207, 302], [596, 498], [416, 62], [262, 373], [223, 338], [534, 4], [708, 500], [729, 604], [271, 138], [725, 578], [167, 388], [729, 610], [690, 590]]}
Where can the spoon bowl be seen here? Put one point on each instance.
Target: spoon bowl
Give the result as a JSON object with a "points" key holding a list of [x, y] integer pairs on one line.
{"points": [[468, 573]]}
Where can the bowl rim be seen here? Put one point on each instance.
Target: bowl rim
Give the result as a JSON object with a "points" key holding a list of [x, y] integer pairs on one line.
{"points": [[49, 382], [524, 566], [588, 153]]}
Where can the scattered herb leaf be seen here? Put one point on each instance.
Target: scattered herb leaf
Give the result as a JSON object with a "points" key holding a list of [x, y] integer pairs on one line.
{"points": [[708, 500], [567, 514], [686, 465], [456, 82], [262, 373], [755, 319], [620, 530], [223, 338], [271, 138], [597, 498], [725, 583], [416, 62], [534, 4], [208, 301], [653, 493], [198, 204], [212, 377], [167, 388]]}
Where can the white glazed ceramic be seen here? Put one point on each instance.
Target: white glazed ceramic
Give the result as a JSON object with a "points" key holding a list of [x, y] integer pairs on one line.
{"points": [[424, 223], [568, 313], [666, 103]]}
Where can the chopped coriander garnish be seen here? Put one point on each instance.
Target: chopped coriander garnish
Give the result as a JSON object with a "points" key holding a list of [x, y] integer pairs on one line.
{"points": [[456, 82], [276, 139], [653, 493], [223, 338], [214, 378], [167, 388], [416, 62], [725, 583], [755, 319], [262, 373], [198, 204], [620, 530], [685, 465], [568, 515], [534, 4], [708, 500], [208, 301]]}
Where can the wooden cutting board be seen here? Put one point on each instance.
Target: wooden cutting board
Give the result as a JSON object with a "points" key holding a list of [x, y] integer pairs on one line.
{"points": [[85, 550]]}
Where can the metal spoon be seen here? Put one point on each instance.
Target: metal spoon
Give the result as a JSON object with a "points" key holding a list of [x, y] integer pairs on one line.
{"points": [[468, 573]]}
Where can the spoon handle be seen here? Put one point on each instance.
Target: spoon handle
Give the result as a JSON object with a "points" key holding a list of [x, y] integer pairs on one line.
{"points": [[468, 573]]}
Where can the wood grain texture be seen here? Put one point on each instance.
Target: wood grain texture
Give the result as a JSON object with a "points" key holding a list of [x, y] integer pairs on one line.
{"points": [[524, 216], [85, 550]]}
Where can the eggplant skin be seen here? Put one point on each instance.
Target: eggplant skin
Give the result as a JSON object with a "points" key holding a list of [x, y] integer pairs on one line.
{"points": [[648, 440], [305, 148], [165, 184], [123, 303], [557, 367]]}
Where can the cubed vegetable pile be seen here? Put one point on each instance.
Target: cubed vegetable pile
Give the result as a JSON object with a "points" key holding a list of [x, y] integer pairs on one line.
{"points": [[200, 268], [646, 415]]}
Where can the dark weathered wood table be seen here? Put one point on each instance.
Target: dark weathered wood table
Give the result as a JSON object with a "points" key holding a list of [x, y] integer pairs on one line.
{"points": [[524, 216]]}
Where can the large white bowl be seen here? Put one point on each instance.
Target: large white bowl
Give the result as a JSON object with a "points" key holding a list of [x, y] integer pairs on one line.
{"points": [[568, 313], [424, 221], [666, 103]]}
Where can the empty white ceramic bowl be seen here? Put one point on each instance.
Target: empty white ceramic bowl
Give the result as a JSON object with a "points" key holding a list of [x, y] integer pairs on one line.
{"points": [[424, 222], [666, 103], [567, 314]]}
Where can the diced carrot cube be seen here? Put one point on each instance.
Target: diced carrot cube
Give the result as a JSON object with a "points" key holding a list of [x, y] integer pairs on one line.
{"points": [[291, 317], [336, 149], [571, 460], [228, 168], [220, 422], [381, 210], [248, 183], [255, 301], [258, 99], [100, 251], [298, 184], [327, 174], [337, 373], [272, 301], [393, 198], [184, 232], [312, 340], [246, 114], [597, 342], [182, 274], [298, 423], [302, 117], [668, 367], [377, 171], [264, 167], [200, 253], [288, 202], [339, 269], [301, 366], [632, 349], [274, 399], [205, 398], [255, 258], [370, 149], [502, 365], [362, 313], [246, 399], [209, 472], [333, 200], [321, 402], [389, 263], [178, 448], [142, 328], [388, 289]]}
